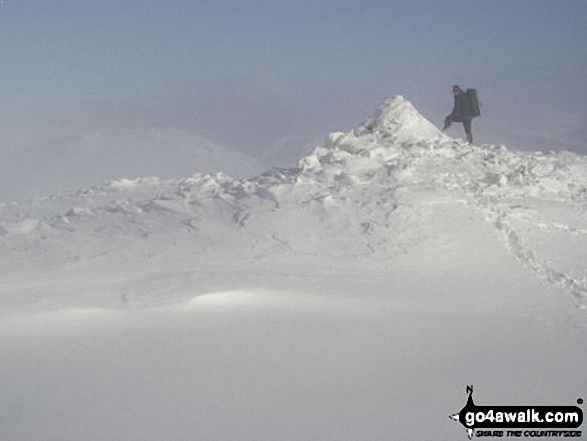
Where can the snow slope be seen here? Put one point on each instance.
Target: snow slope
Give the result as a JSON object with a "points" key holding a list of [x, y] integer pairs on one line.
{"points": [[90, 155], [351, 297]]}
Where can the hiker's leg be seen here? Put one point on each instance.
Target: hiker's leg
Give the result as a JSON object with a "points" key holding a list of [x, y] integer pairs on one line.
{"points": [[468, 131]]}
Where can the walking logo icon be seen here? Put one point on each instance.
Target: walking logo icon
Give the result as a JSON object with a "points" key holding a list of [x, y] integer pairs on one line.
{"points": [[500, 421]]}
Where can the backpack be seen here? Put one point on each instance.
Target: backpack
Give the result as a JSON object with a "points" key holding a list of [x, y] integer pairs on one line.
{"points": [[473, 102]]}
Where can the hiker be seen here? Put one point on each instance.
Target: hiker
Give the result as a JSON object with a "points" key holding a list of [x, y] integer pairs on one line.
{"points": [[461, 112]]}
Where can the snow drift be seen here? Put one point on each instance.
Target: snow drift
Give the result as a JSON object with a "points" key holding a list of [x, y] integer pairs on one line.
{"points": [[351, 297], [360, 195]]}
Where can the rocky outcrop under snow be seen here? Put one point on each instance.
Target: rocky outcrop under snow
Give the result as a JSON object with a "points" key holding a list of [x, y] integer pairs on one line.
{"points": [[357, 196]]}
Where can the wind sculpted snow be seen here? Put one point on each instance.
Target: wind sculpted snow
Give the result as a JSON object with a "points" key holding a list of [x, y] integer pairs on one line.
{"points": [[352, 297], [361, 195]]}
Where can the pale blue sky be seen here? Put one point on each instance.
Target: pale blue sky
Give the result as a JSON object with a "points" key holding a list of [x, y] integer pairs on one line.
{"points": [[268, 78]]}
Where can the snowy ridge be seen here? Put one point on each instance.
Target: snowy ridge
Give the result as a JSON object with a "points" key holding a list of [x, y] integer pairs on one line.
{"points": [[325, 301], [362, 195]]}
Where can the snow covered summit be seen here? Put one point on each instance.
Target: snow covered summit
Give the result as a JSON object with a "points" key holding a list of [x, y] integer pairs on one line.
{"points": [[369, 194], [395, 121], [351, 297], [397, 118]]}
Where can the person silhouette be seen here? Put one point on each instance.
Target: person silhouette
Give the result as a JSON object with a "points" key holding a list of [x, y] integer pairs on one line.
{"points": [[461, 112]]}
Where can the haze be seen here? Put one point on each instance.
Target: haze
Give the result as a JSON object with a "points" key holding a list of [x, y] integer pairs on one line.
{"points": [[95, 91]]}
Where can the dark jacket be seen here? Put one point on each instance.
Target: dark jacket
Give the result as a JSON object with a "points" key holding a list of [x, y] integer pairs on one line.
{"points": [[461, 110]]}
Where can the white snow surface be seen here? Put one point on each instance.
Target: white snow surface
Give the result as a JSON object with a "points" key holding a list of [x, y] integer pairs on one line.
{"points": [[352, 297]]}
